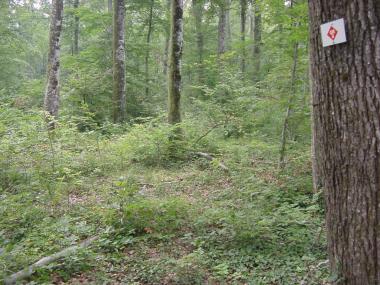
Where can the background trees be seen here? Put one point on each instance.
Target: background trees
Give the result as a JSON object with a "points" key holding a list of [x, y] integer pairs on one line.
{"points": [[144, 193]]}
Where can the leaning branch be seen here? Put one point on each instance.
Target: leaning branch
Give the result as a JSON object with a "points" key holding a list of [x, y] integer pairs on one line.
{"points": [[27, 272]]}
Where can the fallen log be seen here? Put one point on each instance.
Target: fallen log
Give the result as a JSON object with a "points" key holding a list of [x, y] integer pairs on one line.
{"points": [[209, 157], [27, 272]]}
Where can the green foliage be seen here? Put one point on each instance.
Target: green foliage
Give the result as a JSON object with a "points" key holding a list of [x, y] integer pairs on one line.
{"points": [[154, 216], [163, 215]]}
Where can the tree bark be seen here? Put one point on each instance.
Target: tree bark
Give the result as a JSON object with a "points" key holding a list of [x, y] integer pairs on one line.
{"points": [[51, 101], [109, 4], [197, 9], [147, 54], [76, 29], [285, 126], [223, 27], [257, 42], [243, 14], [119, 99], [228, 24], [346, 108], [175, 55], [167, 38]]}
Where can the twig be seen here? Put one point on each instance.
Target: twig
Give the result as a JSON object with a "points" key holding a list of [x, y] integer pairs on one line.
{"points": [[209, 131]]}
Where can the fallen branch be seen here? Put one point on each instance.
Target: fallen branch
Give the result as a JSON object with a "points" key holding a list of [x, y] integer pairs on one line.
{"points": [[27, 272], [211, 158]]}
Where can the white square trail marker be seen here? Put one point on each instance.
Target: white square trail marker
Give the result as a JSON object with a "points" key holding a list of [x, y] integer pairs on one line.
{"points": [[333, 33]]}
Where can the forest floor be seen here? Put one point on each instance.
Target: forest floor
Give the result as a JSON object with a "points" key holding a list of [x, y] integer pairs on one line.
{"points": [[188, 222]]}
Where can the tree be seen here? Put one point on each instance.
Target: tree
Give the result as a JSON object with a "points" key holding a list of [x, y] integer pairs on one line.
{"points": [[52, 89], [223, 26], [175, 54], [346, 107], [256, 39], [147, 55], [76, 29], [197, 9], [285, 125], [119, 100], [243, 14], [109, 6], [167, 37]]}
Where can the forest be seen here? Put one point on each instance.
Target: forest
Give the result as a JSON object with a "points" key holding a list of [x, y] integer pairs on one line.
{"points": [[190, 142]]}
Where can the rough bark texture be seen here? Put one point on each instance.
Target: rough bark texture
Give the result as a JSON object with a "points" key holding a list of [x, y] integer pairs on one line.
{"points": [[346, 101], [316, 173], [197, 9], [175, 55], [243, 18], [52, 89], [119, 61], [147, 54], [76, 29]]}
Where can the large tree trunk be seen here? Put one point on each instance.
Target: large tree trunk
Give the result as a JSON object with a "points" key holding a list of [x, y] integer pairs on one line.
{"points": [[243, 14], [197, 9], [346, 101], [175, 54], [147, 54], [52, 89], [119, 99]]}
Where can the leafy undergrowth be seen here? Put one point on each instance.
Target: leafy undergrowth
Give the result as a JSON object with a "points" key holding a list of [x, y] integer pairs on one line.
{"points": [[163, 216]]}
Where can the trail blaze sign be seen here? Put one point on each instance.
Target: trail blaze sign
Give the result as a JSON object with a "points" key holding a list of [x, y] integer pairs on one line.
{"points": [[333, 33]]}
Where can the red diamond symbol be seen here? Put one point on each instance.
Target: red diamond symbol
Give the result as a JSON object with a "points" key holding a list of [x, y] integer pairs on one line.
{"points": [[332, 33]]}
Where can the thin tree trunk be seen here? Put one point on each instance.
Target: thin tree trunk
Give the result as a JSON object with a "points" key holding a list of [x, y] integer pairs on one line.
{"points": [[197, 9], [285, 126], [257, 42], [119, 99], [228, 25], [76, 29], [167, 39], [243, 14], [109, 5], [346, 108], [51, 101], [222, 29], [251, 22], [147, 55], [175, 54]]}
